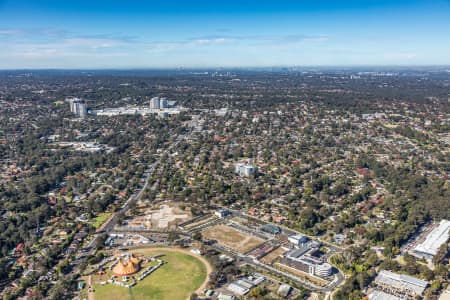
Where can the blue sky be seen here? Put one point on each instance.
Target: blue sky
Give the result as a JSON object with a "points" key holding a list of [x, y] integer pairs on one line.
{"points": [[214, 33]]}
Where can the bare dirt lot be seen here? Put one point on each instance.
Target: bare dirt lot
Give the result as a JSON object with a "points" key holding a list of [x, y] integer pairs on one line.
{"points": [[302, 274], [164, 217], [232, 238], [272, 256]]}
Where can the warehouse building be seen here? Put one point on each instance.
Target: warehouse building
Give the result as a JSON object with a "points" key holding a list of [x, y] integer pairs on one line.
{"points": [[243, 285], [403, 286], [434, 240]]}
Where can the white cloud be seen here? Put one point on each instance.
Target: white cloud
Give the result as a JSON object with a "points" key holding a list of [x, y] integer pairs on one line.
{"points": [[93, 43], [10, 32], [205, 41], [52, 47], [400, 56]]}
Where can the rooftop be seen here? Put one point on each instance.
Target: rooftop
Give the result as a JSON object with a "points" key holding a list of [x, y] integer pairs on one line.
{"points": [[299, 252], [400, 281], [379, 295], [435, 239]]}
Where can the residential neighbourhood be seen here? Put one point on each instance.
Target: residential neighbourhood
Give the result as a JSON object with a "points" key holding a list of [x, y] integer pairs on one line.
{"points": [[308, 185]]}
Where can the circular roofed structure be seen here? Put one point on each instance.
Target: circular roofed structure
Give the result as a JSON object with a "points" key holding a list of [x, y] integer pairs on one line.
{"points": [[126, 265]]}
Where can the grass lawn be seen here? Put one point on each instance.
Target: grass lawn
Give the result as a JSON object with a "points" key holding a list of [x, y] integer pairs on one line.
{"points": [[100, 219], [182, 275]]}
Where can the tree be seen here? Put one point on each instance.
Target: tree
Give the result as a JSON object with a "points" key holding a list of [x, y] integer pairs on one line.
{"points": [[120, 218], [173, 236], [194, 296], [258, 292], [100, 243], [441, 254], [197, 236]]}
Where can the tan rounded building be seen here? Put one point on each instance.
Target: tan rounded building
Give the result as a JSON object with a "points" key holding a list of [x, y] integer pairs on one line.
{"points": [[126, 266]]}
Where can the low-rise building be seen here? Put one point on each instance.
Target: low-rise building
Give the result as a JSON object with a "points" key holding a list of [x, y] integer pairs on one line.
{"points": [[380, 295], [222, 213], [434, 240], [297, 239], [243, 285], [244, 169], [238, 289], [272, 229], [223, 296], [404, 286], [284, 290]]}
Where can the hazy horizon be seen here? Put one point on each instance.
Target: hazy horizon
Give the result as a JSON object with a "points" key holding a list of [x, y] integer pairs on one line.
{"points": [[52, 34]]}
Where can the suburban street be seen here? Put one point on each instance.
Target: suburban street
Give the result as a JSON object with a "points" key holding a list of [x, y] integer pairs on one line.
{"points": [[109, 224]]}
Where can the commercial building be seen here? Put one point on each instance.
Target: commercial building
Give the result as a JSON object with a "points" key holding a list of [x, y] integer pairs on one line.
{"points": [[223, 296], [244, 169], [157, 106], [136, 110], [163, 114], [302, 259], [163, 103], [78, 107], [380, 295], [434, 240], [323, 269], [403, 286], [85, 146], [339, 238], [297, 239], [284, 290], [222, 213], [272, 229], [154, 103], [159, 103], [243, 285], [238, 289]]}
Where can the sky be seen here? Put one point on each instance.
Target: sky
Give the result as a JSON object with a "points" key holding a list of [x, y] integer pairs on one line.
{"points": [[95, 34]]}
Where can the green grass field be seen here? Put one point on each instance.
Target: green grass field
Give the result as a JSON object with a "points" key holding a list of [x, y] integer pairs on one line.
{"points": [[182, 275], [100, 219]]}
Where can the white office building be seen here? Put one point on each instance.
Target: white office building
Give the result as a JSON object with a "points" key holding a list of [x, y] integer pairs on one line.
{"points": [[300, 260], [297, 239], [154, 103], [323, 269], [159, 103], [222, 213], [163, 103], [244, 169], [78, 107]]}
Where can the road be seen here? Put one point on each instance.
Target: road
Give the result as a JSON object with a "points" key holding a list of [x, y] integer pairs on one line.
{"points": [[90, 248], [285, 230], [246, 260], [90, 289], [338, 276]]}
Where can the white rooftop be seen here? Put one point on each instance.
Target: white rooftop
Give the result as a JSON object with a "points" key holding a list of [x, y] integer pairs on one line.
{"points": [[238, 289], [379, 295], [296, 236], [400, 281], [434, 239]]}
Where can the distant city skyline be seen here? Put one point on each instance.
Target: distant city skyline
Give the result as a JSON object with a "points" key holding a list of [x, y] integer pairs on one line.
{"points": [[202, 34]]}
